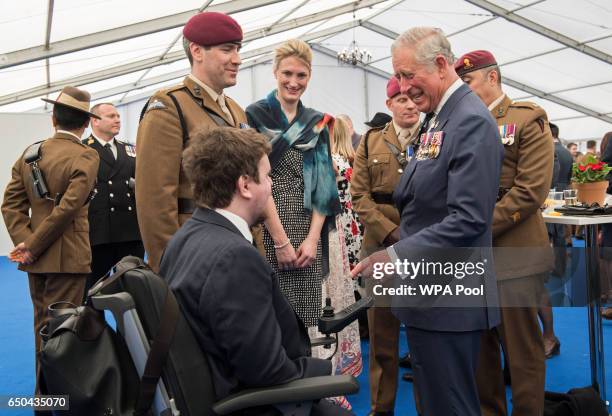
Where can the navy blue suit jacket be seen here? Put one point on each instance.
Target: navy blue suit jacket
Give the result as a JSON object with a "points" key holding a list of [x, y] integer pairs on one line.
{"points": [[448, 202], [233, 303]]}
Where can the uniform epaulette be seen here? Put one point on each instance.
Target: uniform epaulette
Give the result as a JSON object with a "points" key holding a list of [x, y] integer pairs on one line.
{"points": [[173, 88], [366, 135], [377, 128], [524, 104]]}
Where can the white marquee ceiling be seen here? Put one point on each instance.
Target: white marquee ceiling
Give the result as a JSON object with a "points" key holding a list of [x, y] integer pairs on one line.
{"points": [[557, 53]]}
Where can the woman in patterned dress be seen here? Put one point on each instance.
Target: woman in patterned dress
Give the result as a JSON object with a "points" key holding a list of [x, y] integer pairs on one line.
{"points": [[343, 154], [304, 199], [344, 247]]}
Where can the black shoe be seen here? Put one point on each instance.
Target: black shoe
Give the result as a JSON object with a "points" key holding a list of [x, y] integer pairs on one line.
{"points": [[404, 362], [408, 377], [374, 413]]}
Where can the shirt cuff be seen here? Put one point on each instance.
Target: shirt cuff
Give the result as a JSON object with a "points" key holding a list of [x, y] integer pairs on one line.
{"points": [[391, 252], [395, 259]]}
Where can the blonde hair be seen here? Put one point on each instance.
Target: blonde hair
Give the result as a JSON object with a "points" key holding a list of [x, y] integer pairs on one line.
{"points": [[296, 48], [342, 143]]}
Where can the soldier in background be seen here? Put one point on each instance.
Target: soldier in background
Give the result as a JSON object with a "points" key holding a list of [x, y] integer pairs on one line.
{"points": [[522, 252], [378, 166], [48, 223], [113, 224], [164, 198]]}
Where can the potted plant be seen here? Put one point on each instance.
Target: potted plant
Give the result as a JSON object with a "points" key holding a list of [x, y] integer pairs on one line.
{"points": [[590, 179]]}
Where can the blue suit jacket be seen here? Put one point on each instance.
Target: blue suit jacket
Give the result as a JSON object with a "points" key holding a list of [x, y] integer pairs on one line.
{"points": [[232, 301], [448, 202]]}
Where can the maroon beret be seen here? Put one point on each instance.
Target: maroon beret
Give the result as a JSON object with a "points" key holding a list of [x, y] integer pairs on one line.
{"points": [[212, 28], [393, 87], [473, 61]]}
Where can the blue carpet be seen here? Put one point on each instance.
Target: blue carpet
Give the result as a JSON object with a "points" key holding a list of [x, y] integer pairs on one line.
{"points": [[570, 369]]}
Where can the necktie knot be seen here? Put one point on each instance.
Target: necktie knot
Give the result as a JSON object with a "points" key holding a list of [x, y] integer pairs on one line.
{"points": [[221, 102], [428, 118], [425, 125], [109, 150]]}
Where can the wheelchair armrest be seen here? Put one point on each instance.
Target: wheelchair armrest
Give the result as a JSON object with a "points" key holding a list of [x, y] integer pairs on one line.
{"points": [[332, 322], [302, 390]]}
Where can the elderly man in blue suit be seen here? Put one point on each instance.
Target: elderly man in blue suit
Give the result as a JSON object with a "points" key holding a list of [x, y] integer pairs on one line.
{"points": [[446, 197]]}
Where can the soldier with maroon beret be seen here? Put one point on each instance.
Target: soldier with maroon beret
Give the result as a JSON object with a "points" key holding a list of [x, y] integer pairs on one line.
{"points": [[379, 163], [522, 251], [164, 199]]}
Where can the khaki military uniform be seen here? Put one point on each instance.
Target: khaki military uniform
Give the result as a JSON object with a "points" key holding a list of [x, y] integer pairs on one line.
{"points": [[57, 235], [522, 255], [164, 199], [376, 173]]}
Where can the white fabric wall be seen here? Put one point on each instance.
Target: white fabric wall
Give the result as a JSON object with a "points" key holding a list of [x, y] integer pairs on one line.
{"points": [[332, 89], [18, 131]]}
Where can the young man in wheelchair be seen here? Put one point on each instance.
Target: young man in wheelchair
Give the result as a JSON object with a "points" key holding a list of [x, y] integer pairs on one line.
{"points": [[226, 290]]}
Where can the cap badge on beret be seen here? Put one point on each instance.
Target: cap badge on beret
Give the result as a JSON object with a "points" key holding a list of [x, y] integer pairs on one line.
{"points": [[467, 64]]}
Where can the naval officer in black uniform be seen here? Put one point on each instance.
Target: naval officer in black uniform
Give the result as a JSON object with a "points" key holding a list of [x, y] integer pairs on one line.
{"points": [[113, 225]]}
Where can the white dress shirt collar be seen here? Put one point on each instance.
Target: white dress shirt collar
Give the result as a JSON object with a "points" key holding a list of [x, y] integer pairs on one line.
{"points": [[238, 221], [453, 87], [103, 142], [69, 133]]}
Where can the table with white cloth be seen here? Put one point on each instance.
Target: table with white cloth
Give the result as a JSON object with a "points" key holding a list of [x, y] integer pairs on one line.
{"points": [[591, 225]]}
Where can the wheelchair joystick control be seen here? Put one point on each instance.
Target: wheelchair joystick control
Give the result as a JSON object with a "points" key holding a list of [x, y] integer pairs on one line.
{"points": [[328, 309]]}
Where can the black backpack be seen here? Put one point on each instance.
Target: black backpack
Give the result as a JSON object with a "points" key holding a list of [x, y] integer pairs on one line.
{"points": [[84, 358], [178, 358]]}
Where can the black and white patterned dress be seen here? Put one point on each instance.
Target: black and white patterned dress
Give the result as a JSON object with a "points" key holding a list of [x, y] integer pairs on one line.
{"points": [[302, 287]]}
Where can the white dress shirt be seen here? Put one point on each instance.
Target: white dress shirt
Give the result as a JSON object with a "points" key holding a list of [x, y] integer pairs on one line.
{"points": [[113, 145], [239, 222], [453, 87]]}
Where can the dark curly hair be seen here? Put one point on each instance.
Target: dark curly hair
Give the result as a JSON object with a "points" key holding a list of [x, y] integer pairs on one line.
{"points": [[215, 159]]}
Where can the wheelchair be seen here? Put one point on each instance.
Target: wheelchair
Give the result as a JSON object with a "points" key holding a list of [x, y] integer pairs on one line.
{"points": [[137, 301]]}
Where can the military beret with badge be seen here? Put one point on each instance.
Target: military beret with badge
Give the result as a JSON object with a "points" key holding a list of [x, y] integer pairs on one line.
{"points": [[474, 61], [212, 28]]}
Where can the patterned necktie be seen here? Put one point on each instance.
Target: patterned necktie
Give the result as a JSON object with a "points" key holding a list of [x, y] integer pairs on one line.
{"points": [[107, 148], [425, 125]]}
